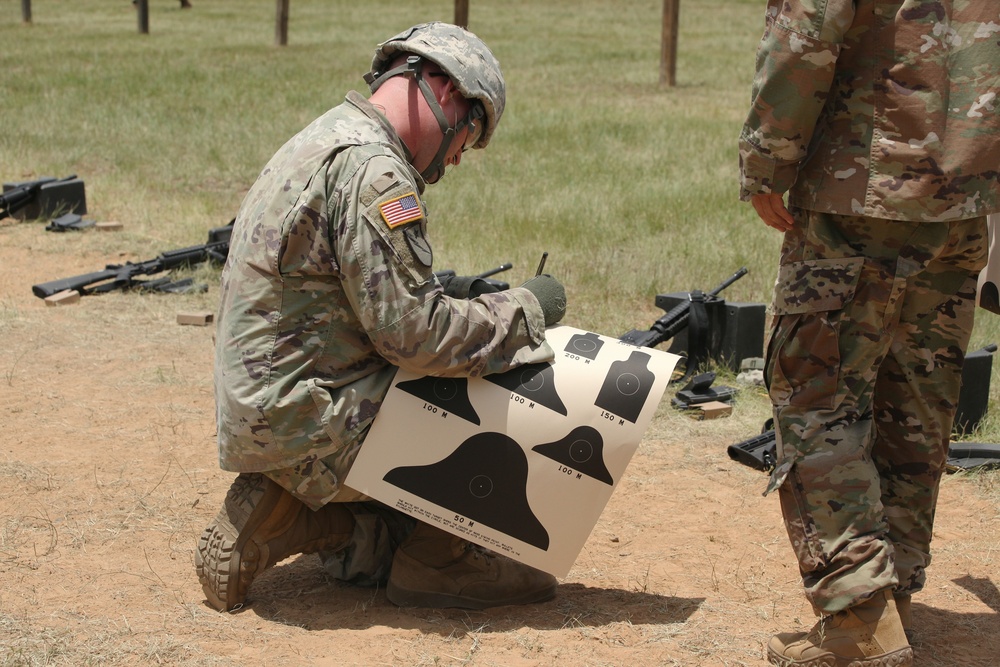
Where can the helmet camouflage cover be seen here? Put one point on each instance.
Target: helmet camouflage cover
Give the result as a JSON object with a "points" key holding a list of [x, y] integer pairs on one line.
{"points": [[465, 58]]}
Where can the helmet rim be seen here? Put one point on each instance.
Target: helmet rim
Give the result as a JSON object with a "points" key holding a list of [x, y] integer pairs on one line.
{"points": [[471, 65]]}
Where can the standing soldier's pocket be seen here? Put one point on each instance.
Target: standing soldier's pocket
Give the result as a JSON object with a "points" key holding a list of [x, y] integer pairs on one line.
{"points": [[803, 349]]}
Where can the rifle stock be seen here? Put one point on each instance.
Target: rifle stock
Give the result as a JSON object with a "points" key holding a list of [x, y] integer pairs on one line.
{"points": [[757, 452], [970, 455], [78, 283]]}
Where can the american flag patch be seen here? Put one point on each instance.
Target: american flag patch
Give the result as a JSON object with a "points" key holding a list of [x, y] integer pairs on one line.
{"points": [[401, 210]]}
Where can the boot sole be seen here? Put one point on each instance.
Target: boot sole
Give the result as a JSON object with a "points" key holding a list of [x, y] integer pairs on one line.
{"points": [[219, 556], [901, 658]]}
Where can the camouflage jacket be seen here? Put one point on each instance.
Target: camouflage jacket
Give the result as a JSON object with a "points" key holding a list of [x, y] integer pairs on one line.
{"points": [[881, 108], [328, 289]]}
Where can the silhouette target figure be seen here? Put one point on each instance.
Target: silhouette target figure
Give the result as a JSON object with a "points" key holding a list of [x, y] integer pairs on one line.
{"points": [[626, 386], [532, 381], [451, 394], [485, 479], [582, 450]]}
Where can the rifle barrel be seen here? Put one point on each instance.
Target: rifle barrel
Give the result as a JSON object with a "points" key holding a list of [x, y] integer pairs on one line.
{"points": [[77, 283], [493, 272], [729, 281]]}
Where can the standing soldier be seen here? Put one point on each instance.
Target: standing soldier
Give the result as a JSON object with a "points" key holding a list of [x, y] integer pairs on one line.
{"points": [[879, 119]]}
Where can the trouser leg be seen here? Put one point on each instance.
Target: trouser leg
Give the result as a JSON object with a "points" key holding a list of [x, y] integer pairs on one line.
{"points": [[849, 297], [916, 396], [366, 558]]}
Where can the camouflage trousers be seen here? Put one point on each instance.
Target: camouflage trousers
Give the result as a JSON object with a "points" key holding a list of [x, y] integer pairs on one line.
{"points": [[869, 326], [378, 529]]}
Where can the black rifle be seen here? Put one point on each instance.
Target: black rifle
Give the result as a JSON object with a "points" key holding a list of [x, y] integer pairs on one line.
{"points": [[126, 276], [759, 452], [677, 317], [969, 455], [15, 199]]}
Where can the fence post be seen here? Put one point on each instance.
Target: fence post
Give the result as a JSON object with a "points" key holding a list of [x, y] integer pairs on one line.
{"points": [[142, 11], [668, 47], [26, 11], [281, 23], [462, 13]]}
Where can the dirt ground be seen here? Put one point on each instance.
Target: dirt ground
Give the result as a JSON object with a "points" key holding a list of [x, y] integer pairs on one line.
{"points": [[108, 474]]}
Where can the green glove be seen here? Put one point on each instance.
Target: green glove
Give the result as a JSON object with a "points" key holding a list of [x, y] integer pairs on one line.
{"points": [[551, 296], [469, 287]]}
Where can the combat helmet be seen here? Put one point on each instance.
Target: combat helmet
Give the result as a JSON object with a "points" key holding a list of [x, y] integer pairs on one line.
{"points": [[470, 65]]}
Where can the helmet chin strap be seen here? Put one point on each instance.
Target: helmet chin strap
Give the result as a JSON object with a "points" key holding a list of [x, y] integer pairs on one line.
{"points": [[413, 67]]}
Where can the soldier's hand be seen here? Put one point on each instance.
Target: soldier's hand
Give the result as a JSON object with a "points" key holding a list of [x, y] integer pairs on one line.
{"points": [[551, 296], [468, 287], [771, 209]]}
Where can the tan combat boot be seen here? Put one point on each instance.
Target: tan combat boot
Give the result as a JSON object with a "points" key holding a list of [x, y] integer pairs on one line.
{"points": [[865, 635], [433, 568], [905, 617], [261, 524]]}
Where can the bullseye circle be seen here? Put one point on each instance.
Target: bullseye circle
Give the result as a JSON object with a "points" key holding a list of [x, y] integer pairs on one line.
{"points": [[445, 389], [481, 486], [532, 380], [581, 451], [628, 384]]}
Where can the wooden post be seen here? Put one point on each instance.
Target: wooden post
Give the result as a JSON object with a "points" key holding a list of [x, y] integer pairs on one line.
{"points": [[462, 13], [281, 23], [668, 48], [26, 11], [142, 11]]}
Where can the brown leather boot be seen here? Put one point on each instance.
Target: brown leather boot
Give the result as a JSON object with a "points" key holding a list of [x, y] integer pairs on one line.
{"points": [[261, 524], [865, 635], [433, 568]]}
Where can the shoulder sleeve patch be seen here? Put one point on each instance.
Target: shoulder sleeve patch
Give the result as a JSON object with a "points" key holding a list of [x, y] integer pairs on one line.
{"points": [[384, 182], [399, 219], [401, 210], [378, 187]]}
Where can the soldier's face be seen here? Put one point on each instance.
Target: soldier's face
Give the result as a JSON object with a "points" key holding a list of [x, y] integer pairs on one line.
{"points": [[467, 136]]}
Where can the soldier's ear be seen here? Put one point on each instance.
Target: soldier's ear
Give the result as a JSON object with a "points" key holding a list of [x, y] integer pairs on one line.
{"points": [[447, 91]]}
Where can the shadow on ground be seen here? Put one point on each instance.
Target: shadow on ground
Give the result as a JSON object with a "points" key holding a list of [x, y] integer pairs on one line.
{"points": [[299, 593]]}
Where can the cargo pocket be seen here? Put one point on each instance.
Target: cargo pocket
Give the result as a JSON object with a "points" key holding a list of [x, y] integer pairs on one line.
{"points": [[326, 412], [804, 343]]}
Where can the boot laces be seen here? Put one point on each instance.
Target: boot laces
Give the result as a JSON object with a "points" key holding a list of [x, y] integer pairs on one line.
{"points": [[478, 552]]}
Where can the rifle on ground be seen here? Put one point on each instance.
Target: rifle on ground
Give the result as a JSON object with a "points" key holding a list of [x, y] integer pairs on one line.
{"points": [[15, 199], [759, 453], [126, 276], [970, 455], [677, 318]]}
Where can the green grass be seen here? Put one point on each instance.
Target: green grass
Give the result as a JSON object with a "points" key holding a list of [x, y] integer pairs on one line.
{"points": [[631, 187]]}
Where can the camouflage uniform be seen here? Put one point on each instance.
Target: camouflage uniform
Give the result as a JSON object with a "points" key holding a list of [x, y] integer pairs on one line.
{"points": [[878, 117], [327, 291]]}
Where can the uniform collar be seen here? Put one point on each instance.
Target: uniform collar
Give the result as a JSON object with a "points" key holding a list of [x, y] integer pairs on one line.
{"points": [[362, 104]]}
